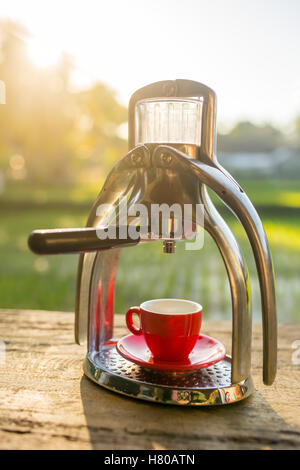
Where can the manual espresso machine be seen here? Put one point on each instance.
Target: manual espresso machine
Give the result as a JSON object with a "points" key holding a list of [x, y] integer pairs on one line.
{"points": [[171, 160]]}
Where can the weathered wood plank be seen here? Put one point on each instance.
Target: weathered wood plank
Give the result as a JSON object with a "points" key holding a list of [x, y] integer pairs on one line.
{"points": [[46, 402]]}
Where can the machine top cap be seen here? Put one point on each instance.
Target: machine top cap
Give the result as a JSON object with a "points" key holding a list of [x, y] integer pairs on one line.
{"points": [[168, 120]]}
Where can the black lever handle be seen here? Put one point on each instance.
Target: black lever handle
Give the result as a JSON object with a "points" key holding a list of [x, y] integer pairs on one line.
{"points": [[76, 240]]}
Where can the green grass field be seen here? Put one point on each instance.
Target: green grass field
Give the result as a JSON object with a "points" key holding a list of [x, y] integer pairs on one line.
{"points": [[28, 281], [263, 193]]}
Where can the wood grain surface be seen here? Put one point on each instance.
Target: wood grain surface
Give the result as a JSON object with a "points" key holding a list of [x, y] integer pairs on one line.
{"points": [[47, 403]]}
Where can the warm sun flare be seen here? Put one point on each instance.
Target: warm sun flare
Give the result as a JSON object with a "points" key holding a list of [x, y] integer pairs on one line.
{"points": [[43, 54]]}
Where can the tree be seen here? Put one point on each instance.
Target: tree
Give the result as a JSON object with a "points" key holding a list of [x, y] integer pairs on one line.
{"points": [[99, 116], [296, 133], [248, 137], [54, 131]]}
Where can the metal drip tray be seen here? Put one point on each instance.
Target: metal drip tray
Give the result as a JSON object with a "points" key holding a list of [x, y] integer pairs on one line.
{"points": [[210, 386]]}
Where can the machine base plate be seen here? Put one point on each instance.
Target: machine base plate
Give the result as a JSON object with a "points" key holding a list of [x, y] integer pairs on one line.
{"points": [[203, 387]]}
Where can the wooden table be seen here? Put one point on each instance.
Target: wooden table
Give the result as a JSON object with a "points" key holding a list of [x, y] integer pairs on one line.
{"points": [[47, 403]]}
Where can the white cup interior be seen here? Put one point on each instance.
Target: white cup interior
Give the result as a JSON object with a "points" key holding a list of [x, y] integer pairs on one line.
{"points": [[171, 306]]}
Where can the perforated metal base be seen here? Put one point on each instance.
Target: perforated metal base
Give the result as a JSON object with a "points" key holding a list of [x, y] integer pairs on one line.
{"points": [[210, 386]]}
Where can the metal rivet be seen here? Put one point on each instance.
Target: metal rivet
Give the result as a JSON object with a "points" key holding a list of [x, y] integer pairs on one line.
{"points": [[136, 158], [166, 158]]}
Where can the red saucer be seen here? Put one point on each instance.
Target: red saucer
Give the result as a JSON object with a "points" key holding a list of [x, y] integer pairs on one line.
{"points": [[207, 352]]}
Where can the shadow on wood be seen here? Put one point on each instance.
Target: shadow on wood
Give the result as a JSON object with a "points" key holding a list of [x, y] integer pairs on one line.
{"points": [[118, 422]]}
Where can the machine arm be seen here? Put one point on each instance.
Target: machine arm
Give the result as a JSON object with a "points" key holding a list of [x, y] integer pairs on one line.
{"points": [[215, 177]]}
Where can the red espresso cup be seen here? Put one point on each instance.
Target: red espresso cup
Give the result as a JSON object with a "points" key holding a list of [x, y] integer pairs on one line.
{"points": [[170, 327]]}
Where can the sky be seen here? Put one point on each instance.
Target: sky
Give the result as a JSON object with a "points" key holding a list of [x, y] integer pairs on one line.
{"points": [[247, 51]]}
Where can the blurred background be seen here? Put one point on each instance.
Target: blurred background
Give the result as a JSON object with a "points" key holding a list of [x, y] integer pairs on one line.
{"points": [[69, 70]]}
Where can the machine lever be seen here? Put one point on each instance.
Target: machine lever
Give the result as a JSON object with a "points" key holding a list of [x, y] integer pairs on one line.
{"points": [[76, 240]]}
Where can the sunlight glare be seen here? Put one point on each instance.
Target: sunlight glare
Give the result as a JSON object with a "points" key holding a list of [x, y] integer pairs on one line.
{"points": [[43, 53]]}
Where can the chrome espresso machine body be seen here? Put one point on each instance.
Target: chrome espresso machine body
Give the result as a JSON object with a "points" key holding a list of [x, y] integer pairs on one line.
{"points": [[172, 160]]}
